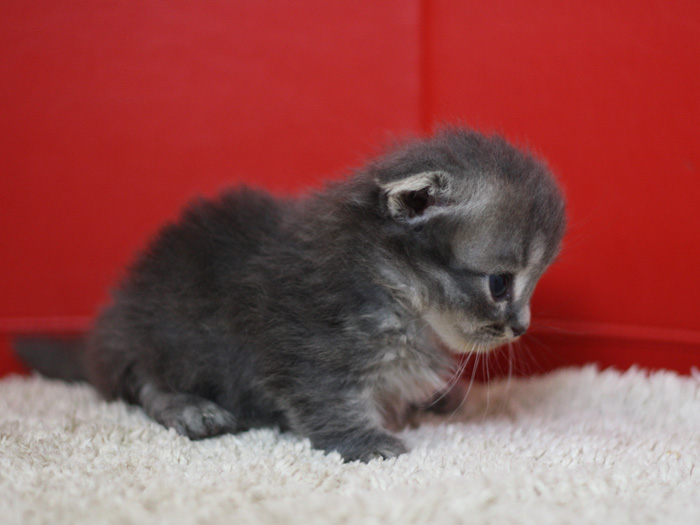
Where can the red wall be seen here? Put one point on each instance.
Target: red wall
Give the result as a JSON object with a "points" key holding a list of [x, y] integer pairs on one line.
{"points": [[113, 114]]}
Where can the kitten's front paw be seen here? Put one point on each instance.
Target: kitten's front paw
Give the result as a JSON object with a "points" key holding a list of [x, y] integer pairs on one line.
{"points": [[372, 446], [386, 450], [196, 418]]}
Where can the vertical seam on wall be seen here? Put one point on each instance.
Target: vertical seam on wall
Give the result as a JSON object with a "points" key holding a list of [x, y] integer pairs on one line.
{"points": [[425, 65]]}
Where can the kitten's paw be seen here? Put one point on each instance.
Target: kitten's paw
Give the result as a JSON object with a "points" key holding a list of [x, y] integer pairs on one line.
{"points": [[196, 418], [374, 446]]}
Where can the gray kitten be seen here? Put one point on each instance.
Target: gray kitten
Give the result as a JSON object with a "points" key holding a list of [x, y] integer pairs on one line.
{"points": [[331, 315]]}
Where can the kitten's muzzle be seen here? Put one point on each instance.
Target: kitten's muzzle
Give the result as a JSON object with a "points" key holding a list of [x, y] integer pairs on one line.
{"points": [[502, 330]]}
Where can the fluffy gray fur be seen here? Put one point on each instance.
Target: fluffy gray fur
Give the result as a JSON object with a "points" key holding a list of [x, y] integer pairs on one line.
{"points": [[333, 314]]}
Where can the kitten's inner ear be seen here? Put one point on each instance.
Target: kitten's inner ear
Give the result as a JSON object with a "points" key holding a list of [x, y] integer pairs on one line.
{"points": [[413, 197], [415, 202]]}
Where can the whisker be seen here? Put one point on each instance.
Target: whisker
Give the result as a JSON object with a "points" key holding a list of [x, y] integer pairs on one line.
{"points": [[548, 354], [509, 377], [471, 381], [555, 328], [511, 357], [488, 388], [456, 376]]}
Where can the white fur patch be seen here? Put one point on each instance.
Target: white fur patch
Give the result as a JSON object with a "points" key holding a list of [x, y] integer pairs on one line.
{"points": [[447, 328], [435, 181], [417, 182]]}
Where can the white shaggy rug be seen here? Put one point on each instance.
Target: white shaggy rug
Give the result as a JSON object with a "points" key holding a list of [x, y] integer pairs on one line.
{"points": [[576, 446]]}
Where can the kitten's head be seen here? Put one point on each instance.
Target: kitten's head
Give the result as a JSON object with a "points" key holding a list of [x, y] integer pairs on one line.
{"points": [[470, 225]]}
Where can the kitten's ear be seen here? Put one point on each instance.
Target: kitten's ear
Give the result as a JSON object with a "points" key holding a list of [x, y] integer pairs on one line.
{"points": [[414, 197]]}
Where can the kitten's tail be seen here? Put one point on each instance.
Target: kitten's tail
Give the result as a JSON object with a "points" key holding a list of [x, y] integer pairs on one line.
{"points": [[54, 357]]}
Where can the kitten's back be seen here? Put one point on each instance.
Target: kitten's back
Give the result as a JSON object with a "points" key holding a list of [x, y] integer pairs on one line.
{"points": [[212, 239]]}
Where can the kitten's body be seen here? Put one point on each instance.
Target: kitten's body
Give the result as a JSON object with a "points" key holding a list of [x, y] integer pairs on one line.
{"points": [[324, 315]]}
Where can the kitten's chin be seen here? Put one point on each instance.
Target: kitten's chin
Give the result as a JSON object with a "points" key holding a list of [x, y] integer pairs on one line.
{"points": [[458, 340]]}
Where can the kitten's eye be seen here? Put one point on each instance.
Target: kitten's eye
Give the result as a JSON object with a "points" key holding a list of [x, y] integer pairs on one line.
{"points": [[500, 286]]}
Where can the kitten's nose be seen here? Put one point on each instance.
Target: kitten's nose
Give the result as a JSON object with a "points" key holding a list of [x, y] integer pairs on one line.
{"points": [[518, 329]]}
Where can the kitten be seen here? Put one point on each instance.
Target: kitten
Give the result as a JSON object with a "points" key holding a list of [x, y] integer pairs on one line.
{"points": [[332, 315]]}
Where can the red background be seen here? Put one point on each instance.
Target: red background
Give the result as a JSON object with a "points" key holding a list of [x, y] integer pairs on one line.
{"points": [[114, 114]]}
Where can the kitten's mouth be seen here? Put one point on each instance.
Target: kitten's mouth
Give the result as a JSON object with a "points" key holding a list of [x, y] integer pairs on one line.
{"points": [[496, 336], [461, 341], [486, 340]]}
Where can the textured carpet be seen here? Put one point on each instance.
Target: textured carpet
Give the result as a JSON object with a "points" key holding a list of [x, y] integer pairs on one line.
{"points": [[576, 446]]}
